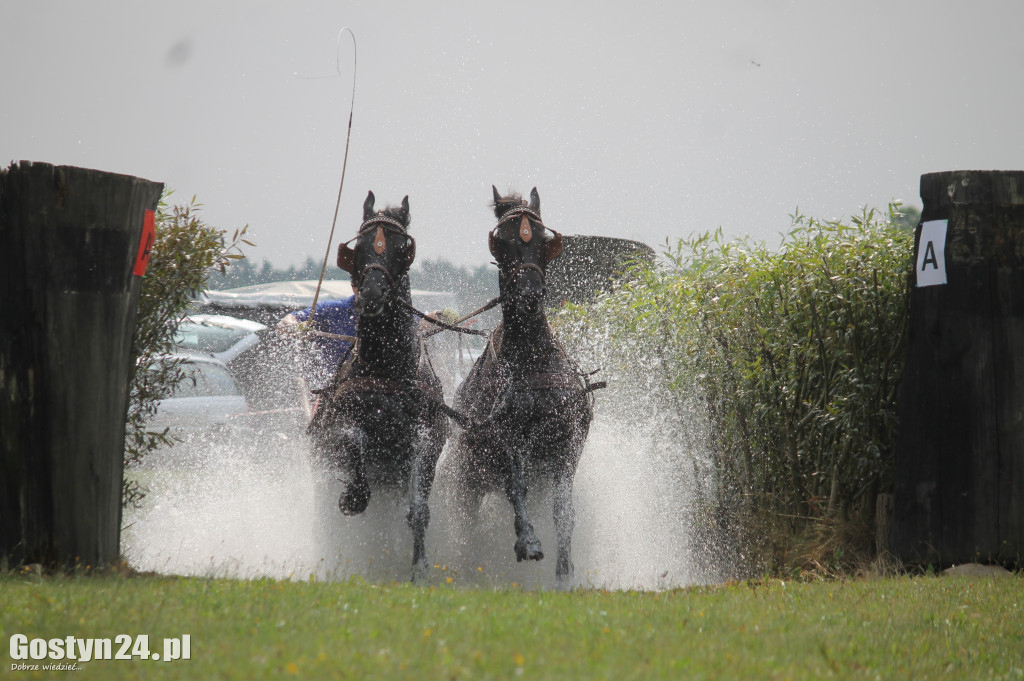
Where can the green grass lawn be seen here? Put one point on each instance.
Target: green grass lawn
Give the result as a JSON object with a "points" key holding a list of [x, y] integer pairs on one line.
{"points": [[901, 628]]}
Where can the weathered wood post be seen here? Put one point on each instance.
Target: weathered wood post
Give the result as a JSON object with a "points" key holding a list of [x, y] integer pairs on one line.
{"points": [[69, 244], [959, 487]]}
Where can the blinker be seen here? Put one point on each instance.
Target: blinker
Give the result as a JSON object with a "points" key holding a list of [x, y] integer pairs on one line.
{"points": [[346, 258], [552, 249]]}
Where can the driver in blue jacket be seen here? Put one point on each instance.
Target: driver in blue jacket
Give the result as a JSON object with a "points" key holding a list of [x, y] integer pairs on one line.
{"points": [[335, 317]]}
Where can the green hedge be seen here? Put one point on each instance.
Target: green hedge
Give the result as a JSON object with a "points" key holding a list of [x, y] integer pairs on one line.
{"points": [[792, 358]]}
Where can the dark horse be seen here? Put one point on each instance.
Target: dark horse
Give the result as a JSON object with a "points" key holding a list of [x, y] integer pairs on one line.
{"points": [[529, 407], [380, 423]]}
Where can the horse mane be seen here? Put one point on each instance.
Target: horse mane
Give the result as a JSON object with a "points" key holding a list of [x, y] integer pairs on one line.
{"points": [[504, 204], [397, 213]]}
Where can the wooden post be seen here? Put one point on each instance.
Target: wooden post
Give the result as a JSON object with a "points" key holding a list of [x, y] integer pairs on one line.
{"points": [[588, 265], [69, 242], [883, 524], [959, 485]]}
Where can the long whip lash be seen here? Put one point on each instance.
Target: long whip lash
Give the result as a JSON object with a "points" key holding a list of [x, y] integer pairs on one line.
{"points": [[337, 204], [344, 165]]}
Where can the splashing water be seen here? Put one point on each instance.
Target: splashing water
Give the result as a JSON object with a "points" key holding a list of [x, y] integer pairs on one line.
{"points": [[245, 509]]}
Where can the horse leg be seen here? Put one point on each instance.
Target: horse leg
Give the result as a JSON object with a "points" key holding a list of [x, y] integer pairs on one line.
{"points": [[355, 493], [565, 513], [421, 480], [527, 545], [565, 521]]}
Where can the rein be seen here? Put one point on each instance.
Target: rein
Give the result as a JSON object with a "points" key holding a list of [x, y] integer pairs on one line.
{"points": [[487, 306], [445, 326], [334, 336]]}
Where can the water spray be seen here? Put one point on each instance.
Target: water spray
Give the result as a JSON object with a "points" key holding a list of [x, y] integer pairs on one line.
{"points": [[259, 514]]}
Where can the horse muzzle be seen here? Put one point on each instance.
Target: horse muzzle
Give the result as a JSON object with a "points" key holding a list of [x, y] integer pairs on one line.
{"points": [[530, 281], [371, 299]]}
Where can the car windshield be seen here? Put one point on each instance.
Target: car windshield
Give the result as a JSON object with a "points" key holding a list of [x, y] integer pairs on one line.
{"points": [[210, 380], [207, 337]]}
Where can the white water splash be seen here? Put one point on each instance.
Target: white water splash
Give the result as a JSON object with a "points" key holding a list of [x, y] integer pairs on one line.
{"points": [[253, 510]]}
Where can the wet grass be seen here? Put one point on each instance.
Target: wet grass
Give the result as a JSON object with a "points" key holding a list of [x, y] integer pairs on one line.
{"points": [[906, 627]]}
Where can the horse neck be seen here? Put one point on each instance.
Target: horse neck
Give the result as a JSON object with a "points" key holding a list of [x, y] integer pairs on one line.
{"points": [[388, 344], [526, 338]]}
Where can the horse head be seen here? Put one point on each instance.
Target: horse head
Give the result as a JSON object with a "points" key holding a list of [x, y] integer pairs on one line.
{"points": [[522, 246], [380, 259]]}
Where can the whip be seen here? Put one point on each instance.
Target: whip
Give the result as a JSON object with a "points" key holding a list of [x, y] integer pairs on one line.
{"points": [[344, 164]]}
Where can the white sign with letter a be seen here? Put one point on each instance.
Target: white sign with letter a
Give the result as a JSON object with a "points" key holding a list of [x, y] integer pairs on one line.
{"points": [[931, 253]]}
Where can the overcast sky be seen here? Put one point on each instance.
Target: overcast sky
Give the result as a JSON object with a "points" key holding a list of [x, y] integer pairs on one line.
{"points": [[634, 119]]}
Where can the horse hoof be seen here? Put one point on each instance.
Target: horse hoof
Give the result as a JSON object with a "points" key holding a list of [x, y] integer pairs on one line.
{"points": [[354, 499], [528, 550], [563, 576]]}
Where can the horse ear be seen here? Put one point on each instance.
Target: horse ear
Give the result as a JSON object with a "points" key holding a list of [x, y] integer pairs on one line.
{"points": [[346, 258], [497, 196], [535, 201], [553, 248], [368, 206], [405, 210]]}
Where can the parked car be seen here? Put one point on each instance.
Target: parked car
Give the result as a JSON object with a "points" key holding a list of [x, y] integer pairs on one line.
{"points": [[263, 365], [220, 336]]}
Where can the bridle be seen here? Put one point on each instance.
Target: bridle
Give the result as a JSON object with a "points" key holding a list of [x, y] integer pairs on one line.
{"points": [[526, 215], [385, 224], [536, 379]]}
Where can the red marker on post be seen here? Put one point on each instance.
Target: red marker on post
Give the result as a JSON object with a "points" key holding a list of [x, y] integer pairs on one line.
{"points": [[145, 243]]}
